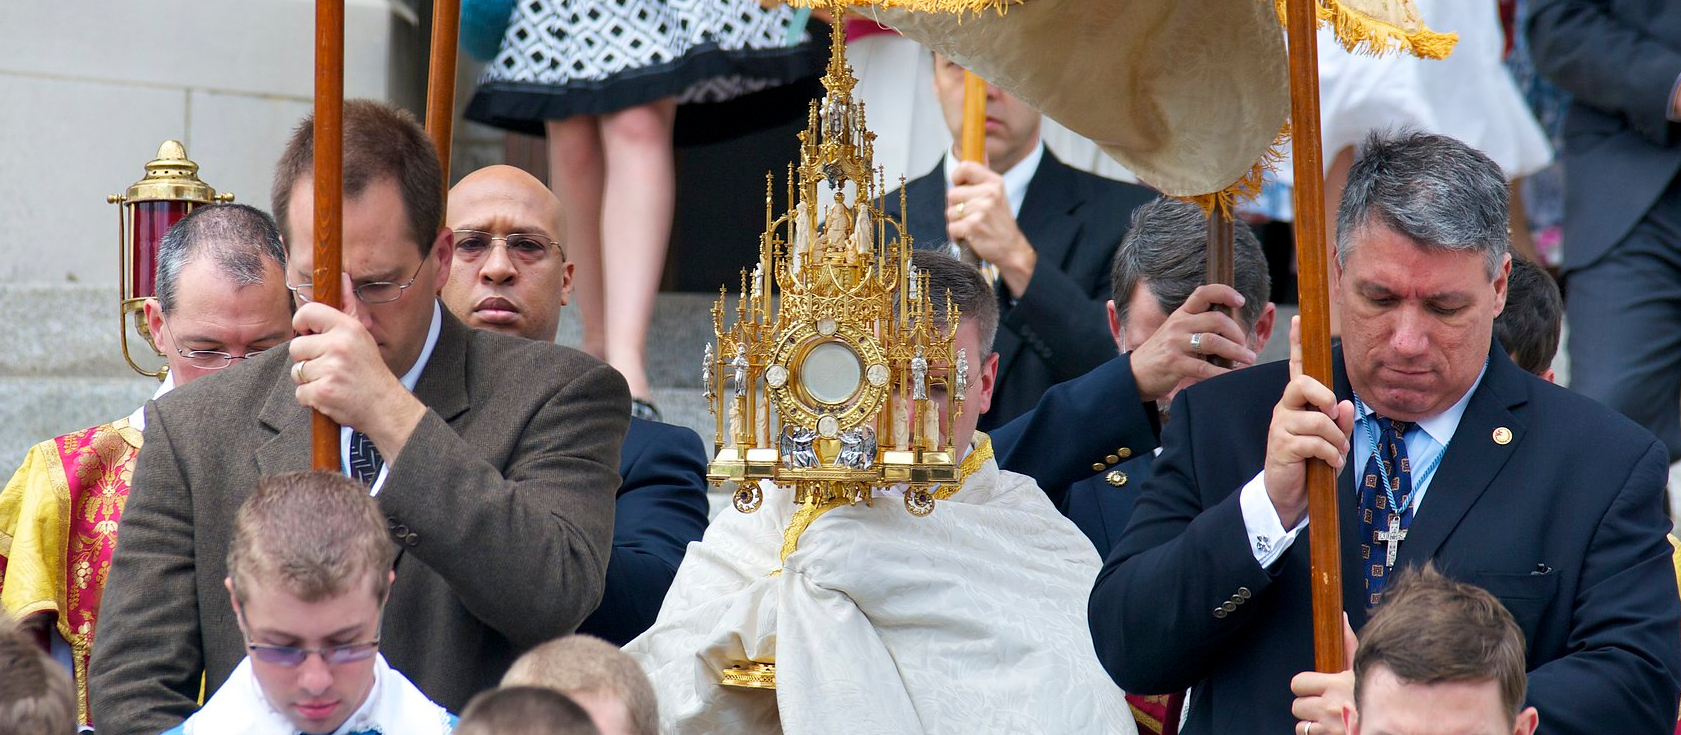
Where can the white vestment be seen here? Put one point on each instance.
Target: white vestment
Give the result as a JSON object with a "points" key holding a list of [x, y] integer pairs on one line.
{"points": [[970, 620]]}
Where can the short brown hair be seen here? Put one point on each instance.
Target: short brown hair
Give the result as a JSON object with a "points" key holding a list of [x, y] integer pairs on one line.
{"points": [[1529, 326], [579, 664], [36, 697], [524, 711], [314, 533], [1430, 629], [380, 141], [967, 290]]}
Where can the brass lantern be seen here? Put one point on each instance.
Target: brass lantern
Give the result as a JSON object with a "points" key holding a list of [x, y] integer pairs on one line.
{"points": [[170, 189]]}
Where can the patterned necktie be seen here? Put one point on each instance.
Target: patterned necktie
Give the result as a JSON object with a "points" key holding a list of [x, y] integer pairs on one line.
{"points": [[364, 458], [1384, 526]]}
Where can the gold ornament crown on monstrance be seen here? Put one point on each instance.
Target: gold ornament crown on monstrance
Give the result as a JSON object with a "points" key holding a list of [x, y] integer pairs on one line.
{"points": [[822, 382]]}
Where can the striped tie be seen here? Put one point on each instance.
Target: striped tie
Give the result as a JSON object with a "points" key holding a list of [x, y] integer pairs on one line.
{"points": [[364, 458]]}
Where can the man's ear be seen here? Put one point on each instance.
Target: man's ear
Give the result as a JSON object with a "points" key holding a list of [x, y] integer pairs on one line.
{"points": [[1527, 721], [1263, 326], [238, 610], [988, 381], [1117, 331], [154, 322], [443, 248]]}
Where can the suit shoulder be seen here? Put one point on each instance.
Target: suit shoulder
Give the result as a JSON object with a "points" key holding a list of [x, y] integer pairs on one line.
{"points": [[1582, 416], [912, 189], [1107, 191], [645, 435], [527, 360]]}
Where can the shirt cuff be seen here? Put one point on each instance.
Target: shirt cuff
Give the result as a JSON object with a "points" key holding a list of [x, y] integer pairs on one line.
{"points": [[1267, 538]]}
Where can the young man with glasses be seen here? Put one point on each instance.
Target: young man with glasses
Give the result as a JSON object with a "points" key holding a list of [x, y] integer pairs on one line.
{"points": [[309, 572], [493, 458], [221, 299]]}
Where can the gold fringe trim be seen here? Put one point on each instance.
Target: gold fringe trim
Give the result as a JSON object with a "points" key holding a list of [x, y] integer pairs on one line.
{"points": [[969, 466], [1358, 32], [1248, 187], [959, 7]]}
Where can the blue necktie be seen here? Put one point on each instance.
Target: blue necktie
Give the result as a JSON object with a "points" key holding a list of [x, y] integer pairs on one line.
{"points": [[1384, 517], [364, 458]]}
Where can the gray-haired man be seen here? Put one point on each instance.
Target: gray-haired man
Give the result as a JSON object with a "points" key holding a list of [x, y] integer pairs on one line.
{"points": [[1544, 498], [221, 299]]}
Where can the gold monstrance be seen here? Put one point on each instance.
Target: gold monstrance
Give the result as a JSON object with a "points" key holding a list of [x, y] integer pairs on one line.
{"points": [[822, 383]]}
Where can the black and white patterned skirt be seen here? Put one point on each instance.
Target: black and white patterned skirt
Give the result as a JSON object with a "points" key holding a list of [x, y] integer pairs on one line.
{"points": [[561, 58]]}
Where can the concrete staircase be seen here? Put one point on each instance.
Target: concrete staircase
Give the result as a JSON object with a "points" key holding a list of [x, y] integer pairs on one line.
{"points": [[61, 366]]}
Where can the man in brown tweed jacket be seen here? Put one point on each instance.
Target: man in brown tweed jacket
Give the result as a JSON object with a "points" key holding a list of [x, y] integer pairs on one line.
{"points": [[494, 458]]}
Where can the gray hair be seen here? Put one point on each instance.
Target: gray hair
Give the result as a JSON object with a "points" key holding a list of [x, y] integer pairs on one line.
{"points": [[1166, 251], [239, 236], [967, 290], [1431, 189]]}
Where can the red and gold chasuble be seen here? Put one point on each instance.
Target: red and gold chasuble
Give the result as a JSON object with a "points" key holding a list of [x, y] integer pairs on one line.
{"points": [[58, 529]]}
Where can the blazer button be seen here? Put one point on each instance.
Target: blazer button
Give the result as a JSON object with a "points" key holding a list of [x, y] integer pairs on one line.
{"points": [[1125, 452], [1220, 612], [1243, 593], [400, 532], [1097, 467], [1229, 606], [1116, 478], [1111, 459], [391, 523], [412, 539]]}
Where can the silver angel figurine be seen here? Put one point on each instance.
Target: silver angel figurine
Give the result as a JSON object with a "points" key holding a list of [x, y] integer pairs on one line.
{"points": [[962, 373], [740, 366], [919, 376]]}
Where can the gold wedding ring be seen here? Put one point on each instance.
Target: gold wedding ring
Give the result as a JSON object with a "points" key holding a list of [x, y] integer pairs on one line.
{"points": [[960, 206], [298, 372]]}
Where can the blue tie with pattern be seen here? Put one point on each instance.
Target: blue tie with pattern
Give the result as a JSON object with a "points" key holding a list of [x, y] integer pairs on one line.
{"points": [[1384, 516], [364, 458]]}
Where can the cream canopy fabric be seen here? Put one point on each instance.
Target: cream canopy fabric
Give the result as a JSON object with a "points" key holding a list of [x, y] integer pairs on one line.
{"points": [[1187, 94]]}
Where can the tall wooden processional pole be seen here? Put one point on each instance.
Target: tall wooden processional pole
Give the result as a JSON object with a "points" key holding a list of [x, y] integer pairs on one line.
{"points": [[329, 196], [1325, 557]]}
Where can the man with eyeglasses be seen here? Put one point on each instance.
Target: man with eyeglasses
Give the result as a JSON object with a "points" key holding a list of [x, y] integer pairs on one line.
{"points": [[309, 572], [220, 300], [493, 458], [511, 276]]}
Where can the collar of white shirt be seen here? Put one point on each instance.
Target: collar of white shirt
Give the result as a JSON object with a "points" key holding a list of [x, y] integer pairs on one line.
{"points": [[1015, 180], [1441, 426]]}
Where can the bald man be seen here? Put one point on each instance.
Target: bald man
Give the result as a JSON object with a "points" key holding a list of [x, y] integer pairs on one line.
{"points": [[510, 275]]}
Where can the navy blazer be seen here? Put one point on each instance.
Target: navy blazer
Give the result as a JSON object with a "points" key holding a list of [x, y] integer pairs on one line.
{"points": [[1072, 434], [661, 507], [1564, 522], [1059, 328], [1619, 60]]}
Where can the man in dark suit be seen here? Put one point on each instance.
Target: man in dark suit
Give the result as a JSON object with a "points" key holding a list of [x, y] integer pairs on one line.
{"points": [[511, 276], [1544, 498], [493, 457], [1047, 230], [1160, 306], [1621, 62]]}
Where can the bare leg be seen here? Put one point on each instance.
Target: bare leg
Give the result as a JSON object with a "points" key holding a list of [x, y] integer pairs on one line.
{"points": [[577, 175], [636, 226], [1335, 180]]}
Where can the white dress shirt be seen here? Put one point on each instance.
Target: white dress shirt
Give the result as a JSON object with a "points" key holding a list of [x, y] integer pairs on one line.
{"points": [[408, 380], [1267, 538]]}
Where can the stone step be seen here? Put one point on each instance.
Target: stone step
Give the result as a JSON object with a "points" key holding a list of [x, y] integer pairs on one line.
{"points": [[71, 330]]}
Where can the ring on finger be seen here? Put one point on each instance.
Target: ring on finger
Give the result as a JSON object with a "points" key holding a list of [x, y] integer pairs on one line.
{"points": [[1307, 727], [1196, 346], [298, 372], [960, 207]]}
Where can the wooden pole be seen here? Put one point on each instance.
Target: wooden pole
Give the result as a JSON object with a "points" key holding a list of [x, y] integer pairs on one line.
{"points": [[440, 79], [329, 195], [1222, 239], [974, 118], [1325, 559]]}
